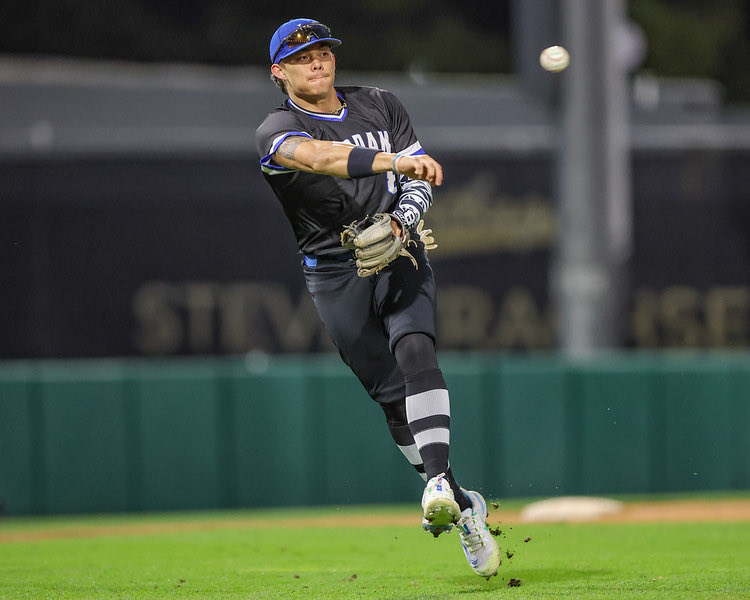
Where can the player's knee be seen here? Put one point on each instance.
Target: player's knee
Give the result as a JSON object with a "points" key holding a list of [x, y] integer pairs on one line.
{"points": [[395, 413], [414, 353]]}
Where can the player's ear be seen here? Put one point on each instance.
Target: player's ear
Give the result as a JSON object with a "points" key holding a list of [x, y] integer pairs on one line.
{"points": [[278, 71]]}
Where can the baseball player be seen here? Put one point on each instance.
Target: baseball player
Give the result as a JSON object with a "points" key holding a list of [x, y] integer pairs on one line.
{"points": [[354, 183]]}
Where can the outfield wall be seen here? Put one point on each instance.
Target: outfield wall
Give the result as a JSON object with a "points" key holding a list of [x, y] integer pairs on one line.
{"points": [[132, 435]]}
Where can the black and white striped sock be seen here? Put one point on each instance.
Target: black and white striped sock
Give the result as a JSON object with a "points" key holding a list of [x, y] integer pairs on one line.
{"points": [[428, 414], [405, 442]]}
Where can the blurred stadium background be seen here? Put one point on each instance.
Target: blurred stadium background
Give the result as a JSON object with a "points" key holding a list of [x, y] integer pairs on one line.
{"points": [[159, 350]]}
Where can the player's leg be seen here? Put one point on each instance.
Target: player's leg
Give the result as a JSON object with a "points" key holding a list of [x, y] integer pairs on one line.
{"points": [[344, 303], [405, 299], [398, 425], [427, 407], [409, 318]]}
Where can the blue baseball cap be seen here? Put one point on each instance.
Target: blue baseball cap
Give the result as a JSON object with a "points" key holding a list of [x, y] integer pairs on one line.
{"points": [[296, 35]]}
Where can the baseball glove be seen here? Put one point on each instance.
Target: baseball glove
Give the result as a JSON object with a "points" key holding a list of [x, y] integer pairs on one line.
{"points": [[374, 244], [425, 236]]}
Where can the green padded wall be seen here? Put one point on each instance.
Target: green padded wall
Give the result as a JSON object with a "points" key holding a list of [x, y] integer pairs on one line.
{"points": [[84, 439], [177, 436], [134, 435], [534, 431], [615, 428], [698, 415], [271, 439], [18, 480]]}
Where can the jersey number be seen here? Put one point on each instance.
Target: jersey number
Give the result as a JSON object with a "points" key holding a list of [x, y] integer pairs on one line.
{"points": [[392, 187]]}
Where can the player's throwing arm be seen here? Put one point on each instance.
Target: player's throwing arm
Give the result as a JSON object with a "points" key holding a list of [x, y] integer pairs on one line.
{"points": [[344, 160]]}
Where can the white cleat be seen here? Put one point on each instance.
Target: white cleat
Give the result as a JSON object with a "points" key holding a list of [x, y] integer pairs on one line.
{"points": [[435, 530], [479, 545], [440, 508]]}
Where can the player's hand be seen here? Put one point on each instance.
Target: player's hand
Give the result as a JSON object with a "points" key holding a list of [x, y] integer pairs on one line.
{"points": [[422, 167], [396, 227]]}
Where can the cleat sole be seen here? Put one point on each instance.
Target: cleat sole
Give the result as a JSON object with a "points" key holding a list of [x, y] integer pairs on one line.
{"points": [[443, 512]]}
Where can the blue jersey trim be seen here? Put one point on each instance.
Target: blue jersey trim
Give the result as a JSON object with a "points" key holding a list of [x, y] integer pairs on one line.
{"points": [[414, 150]]}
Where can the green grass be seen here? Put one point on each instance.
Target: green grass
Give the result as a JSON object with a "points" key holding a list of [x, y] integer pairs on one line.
{"points": [[697, 560]]}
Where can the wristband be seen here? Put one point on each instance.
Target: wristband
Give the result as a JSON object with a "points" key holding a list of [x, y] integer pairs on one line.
{"points": [[393, 163], [360, 162]]}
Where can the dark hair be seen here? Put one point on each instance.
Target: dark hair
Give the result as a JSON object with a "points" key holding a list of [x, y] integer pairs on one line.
{"points": [[279, 83]]}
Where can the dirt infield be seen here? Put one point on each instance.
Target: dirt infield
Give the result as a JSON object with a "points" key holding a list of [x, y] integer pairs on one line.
{"points": [[683, 511], [635, 512]]}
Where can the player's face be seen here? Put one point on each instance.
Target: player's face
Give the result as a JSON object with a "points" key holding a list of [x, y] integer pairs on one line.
{"points": [[310, 72]]}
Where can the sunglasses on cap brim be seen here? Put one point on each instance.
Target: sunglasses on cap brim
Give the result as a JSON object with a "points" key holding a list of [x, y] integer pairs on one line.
{"points": [[304, 34]]}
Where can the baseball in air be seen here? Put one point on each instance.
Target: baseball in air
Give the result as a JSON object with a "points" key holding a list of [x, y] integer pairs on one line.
{"points": [[554, 59]]}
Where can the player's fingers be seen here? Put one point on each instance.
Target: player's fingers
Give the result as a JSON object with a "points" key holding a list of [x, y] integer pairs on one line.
{"points": [[433, 171], [429, 170], [438, 174]]}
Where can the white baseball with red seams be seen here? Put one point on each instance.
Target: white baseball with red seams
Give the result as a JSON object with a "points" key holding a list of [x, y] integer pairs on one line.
{"points": [[554, 59]]}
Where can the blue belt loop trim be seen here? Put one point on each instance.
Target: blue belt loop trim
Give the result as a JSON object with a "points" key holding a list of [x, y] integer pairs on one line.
{"points": [[310, 261]]}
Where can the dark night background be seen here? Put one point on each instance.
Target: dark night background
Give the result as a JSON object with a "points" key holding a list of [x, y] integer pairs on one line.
{"points": [[701, 38], [134, 211]]}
